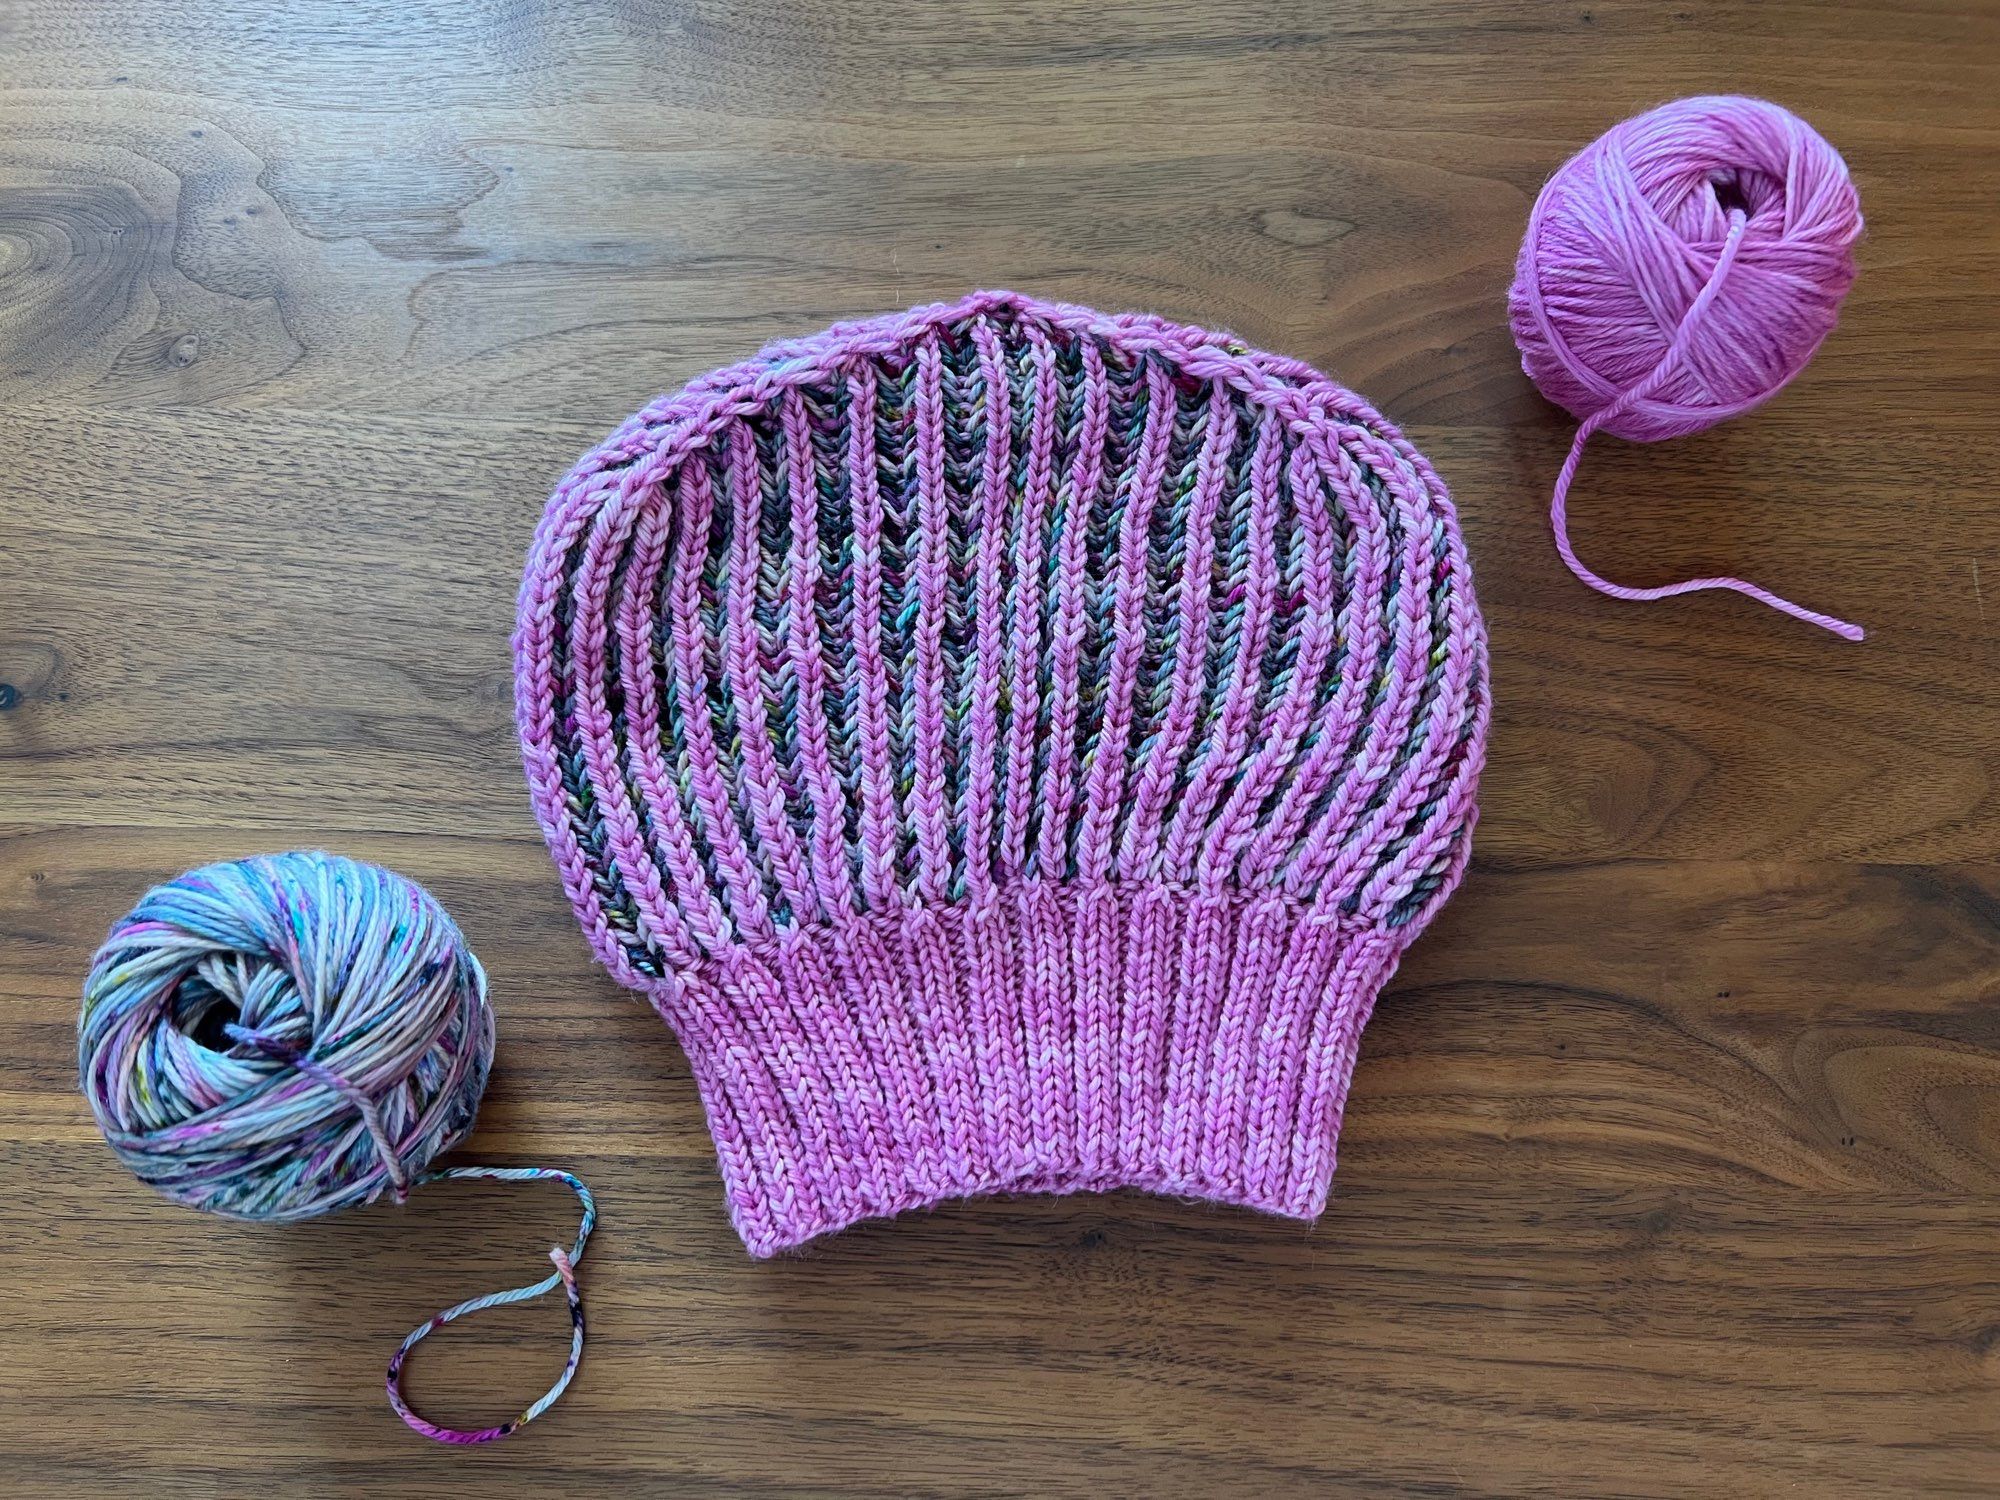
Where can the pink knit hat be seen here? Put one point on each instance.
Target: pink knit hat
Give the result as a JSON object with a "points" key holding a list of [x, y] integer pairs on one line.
{"points": [[1011, 746]]}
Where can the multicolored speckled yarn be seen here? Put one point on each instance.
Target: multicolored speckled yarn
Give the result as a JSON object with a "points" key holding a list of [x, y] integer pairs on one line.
{"points": [[1011, 746], [279, 1037]]}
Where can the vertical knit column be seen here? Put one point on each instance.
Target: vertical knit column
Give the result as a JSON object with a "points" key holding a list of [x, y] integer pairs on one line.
{"points": [[997, 963], [1058, 792], [994, 505], [1193, 1019], [832, 882], [762, 783], [1151, 961], [1028, 608], [868, 670], [1049, 984]]}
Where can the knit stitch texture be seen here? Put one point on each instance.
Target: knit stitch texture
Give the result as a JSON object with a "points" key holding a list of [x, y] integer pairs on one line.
{"points": [[1011, 746]]}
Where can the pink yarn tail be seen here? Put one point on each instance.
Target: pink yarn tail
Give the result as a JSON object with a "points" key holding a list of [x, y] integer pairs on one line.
{"points": [[1559, 502]]}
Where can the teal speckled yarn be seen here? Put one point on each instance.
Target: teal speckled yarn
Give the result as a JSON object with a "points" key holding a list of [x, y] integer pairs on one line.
{"points": [[279, 1037]]}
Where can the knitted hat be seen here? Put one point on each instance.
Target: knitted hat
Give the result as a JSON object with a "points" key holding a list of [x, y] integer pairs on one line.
{"points": [[1011, 746]]}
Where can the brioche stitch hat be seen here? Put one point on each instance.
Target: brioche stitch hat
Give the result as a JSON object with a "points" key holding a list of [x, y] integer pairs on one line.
{"points": [[1011, 746]]}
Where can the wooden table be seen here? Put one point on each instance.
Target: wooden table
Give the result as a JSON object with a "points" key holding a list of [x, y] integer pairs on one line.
{"points": [[1673, 1164]]}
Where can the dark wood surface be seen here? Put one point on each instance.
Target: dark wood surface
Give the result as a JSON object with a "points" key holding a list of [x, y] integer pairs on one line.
{"points": [[1673, 1162]]}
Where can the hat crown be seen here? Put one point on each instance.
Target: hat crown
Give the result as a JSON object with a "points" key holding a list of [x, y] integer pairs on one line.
{"points": [[997, 593]]}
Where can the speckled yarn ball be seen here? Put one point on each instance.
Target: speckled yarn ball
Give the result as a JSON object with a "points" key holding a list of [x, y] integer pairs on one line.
{"points": [[1629, 231], [278, 1037]]}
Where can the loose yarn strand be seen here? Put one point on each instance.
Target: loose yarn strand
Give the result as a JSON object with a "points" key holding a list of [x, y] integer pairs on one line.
{"points": [[564, 1276], [1676, 350], [565, 1264]]}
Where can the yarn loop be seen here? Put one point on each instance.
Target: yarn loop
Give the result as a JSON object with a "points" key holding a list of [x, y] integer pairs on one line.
{"points": [[276, 1038], [1678, 271]]}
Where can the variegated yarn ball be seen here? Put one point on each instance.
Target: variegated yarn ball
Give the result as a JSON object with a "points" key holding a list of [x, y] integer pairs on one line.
{"points": [[278, 1037], [282, 1036]]}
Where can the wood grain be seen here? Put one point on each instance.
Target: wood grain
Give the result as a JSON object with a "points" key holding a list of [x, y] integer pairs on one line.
{"points": [[1673, 1161]]}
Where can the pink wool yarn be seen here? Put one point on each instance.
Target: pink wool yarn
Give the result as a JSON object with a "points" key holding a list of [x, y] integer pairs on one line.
{"points": [[1677, 272]]}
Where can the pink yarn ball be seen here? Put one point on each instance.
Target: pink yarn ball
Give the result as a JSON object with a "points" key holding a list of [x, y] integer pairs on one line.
{"points": [[1630, 229]]}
